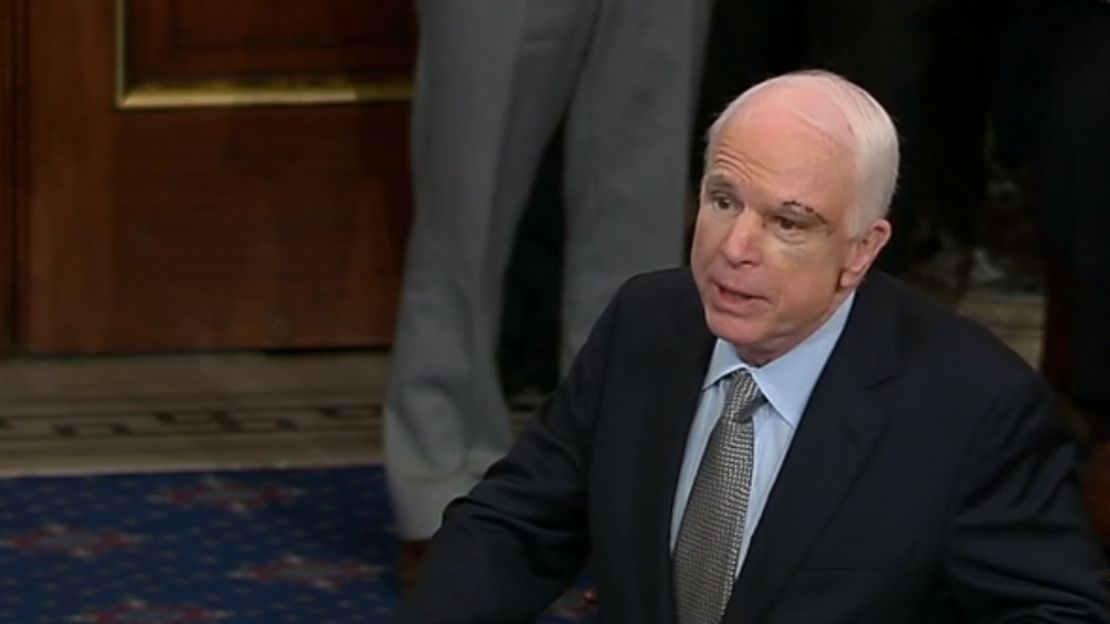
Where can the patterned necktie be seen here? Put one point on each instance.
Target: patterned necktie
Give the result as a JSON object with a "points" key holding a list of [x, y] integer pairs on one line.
{"points": [[708, 544]]}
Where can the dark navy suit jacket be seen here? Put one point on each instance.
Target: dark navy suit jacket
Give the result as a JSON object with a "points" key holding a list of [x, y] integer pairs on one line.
{"points": [[929, 481]]}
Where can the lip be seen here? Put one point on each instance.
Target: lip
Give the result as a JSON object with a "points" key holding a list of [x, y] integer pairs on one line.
{"points": [[734, 301]]}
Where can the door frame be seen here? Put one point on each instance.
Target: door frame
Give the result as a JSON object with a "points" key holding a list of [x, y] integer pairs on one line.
{"points": [[10, 78]]}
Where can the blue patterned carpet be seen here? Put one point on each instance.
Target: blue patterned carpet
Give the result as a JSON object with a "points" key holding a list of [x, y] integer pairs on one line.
{"points": [[244, 547]]}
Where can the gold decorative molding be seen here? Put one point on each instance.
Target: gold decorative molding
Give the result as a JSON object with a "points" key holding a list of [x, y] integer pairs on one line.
{"points": [[219, 94], [286, 91]]}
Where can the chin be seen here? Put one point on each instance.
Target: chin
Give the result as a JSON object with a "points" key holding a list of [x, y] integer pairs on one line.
{"points": [[739, 332]]}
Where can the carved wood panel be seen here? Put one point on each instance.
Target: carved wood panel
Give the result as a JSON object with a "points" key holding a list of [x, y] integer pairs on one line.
{"points": [[204, 53], [188, 39], [210, 228]]}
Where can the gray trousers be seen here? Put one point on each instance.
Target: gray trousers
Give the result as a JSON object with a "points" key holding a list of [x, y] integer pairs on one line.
{"points": [[494, 79]]}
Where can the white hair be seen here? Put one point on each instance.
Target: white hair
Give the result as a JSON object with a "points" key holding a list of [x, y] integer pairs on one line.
{"points": [[873, 140]]}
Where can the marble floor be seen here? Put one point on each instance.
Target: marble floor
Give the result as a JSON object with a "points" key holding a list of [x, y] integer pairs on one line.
{"points": [[167, 412]]}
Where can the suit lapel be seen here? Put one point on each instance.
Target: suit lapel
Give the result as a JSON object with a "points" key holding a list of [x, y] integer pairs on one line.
{"points": [[674, 390], [838, 430]]}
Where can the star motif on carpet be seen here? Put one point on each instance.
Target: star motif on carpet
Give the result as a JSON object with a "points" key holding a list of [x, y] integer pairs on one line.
{"points": [[309, 572], [76, 542], [138, 611], [220, 494]]}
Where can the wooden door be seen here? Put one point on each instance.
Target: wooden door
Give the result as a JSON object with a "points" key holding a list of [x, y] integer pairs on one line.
{"points": [[209, 174], [8, 46]]}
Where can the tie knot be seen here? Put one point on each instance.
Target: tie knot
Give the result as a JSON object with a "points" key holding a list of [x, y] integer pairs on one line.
{"points": [[743, 397]]}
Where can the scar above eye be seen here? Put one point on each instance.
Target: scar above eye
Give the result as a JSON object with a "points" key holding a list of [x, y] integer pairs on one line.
{"points": [[794, 205]]}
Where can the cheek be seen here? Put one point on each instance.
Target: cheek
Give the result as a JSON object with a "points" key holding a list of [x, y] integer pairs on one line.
{"points": [[792, 262], [803, 272], [697, 245], [707, 240], [815, 256], [697, 257]]}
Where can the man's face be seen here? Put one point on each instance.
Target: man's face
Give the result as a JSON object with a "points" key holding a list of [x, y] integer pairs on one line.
{"points": [[775, 249]]}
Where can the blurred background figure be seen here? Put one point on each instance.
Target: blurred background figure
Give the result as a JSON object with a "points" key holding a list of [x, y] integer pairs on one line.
{"points": [[494, 81], [528, 344], [1053, 126]]}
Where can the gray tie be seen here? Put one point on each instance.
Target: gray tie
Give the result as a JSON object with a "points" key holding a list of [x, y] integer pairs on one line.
{"points": [[708, 544]]}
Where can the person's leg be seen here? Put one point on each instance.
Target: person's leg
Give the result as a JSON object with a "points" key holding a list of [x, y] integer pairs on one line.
{"points": [[923, 60], [628, 138], [1073, 195], [1053, 91], [745, 46], [493, 80], [528, 346]]}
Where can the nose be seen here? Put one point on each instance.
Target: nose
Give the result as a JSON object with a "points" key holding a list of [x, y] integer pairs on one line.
{"points": [[742, 242]]}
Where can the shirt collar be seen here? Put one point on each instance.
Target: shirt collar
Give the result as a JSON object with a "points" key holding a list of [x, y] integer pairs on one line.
{"points": [[788, 380]]}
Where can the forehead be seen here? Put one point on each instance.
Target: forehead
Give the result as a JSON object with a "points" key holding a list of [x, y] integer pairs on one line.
{"points": [[792, 122], [784, 145]]}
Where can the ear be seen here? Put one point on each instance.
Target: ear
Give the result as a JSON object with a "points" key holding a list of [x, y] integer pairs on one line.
{"points": [[863, 252]]}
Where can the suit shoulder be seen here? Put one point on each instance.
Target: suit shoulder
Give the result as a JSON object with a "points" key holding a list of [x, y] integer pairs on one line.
{"points": [[666, 295], [655, 290], [941, 334], [677, 281]]}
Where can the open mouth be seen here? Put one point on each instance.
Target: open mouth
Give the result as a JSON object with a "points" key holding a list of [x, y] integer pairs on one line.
{"points": [[736, 302], [735, 296]]}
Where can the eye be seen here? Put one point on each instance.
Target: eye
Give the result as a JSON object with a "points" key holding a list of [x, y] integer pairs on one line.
{"points": [[787, 224], [722, 202]]}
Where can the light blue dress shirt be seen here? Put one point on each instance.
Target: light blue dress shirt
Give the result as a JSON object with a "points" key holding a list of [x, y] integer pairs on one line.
{"points": [[786, 382]]}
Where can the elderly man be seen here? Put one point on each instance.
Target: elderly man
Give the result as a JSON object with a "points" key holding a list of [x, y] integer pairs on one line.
{"points": [[776, 435]]}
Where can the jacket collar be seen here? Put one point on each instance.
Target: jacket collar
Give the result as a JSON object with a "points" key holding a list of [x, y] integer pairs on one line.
{"points": [[841, 425]]}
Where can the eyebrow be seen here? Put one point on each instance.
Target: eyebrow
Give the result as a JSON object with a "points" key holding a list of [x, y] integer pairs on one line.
{"points": [[718, 182]]}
